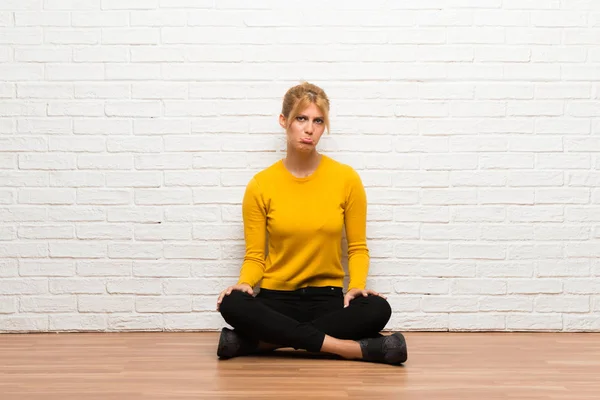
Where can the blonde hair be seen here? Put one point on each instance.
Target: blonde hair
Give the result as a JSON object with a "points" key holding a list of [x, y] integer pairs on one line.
{"points": [[298, 97]]}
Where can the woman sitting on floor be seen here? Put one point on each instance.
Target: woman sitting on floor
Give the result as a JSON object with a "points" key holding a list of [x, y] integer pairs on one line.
{"points": [[303, 203]]}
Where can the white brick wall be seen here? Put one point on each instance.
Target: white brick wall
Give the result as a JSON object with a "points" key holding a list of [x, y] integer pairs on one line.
{"points": [[129, 129]]}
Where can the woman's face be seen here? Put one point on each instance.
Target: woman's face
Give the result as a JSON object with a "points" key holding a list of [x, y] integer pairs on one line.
{"points": [[306, 129]]}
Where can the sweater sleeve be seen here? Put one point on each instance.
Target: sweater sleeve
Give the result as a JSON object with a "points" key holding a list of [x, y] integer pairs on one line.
{"points": [[254, 216], [355, 219]]}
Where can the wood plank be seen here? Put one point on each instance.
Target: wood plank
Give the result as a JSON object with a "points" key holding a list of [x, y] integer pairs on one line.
{"points": [[168, 365]]}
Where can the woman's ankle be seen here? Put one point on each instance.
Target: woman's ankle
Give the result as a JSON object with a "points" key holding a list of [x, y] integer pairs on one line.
{"points": [[349, 349]]}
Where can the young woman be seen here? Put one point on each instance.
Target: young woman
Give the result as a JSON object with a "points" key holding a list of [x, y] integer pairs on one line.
{"points": [[299, 207]]}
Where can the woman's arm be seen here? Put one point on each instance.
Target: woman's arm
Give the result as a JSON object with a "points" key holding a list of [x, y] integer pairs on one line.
{"points": [[255, 217], [355, 220]]}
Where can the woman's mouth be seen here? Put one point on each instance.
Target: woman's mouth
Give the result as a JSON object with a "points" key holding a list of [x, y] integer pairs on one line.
{"points": [[306, 140]]}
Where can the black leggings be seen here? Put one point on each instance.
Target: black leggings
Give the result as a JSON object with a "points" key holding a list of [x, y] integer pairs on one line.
{"points": [[301, 318]]}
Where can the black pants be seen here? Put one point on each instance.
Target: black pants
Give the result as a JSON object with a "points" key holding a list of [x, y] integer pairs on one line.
{"points": [[301, 318]]}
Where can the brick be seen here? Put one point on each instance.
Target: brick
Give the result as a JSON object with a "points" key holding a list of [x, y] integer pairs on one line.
{"points": [[105, 161], [103, 19], [421, 214], [159, 90], [20, 36], [162, 269], [534, 322], [193, 321], [157, 54], [77, 323], [24, 323], [562, 303], [506, 196], [528, 178], [7, 197], [535, 214], [206, 213], [98, 126], [8, 268], [129, 4], [506, 161], [534, 251], [196, 178], [205, 286], [133, 179], [420, 322], [134, 286], [132, 72], [74, 72], [579, 323], [20, 108], [105, 54], [582, 286], [49, 54], [448, 197], [498, 269], [585, 250], [71, 36], [8, 305], [72, 249], [131, 36], [506, 232], [563, 268], [46, 232], [76, 213], [23, 286], [105, 304], [22, 214], [555, 90], [485, 178], [163, 196], [477, 286], [133, 109], [87, 196], [135, 251], [45, 126], [104, 231], [135, 214], [159, 18], [163, 232], [104, 268], [191, 251], [477, 214], [501, 54], [566, 161], [170, 126], [7, 90], [163, 304], [46, 162], [72, 5], [450, 304], [476, 322], [77, 286], [502, 304], [80, 144], [54, 304], [24, 249]]}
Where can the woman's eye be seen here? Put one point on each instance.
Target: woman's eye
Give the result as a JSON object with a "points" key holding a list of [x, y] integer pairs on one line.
{"points": [[300, 118], [319, 121]]}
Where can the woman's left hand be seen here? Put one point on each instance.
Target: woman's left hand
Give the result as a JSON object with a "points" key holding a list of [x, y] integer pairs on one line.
{"points": [[354, 293]]}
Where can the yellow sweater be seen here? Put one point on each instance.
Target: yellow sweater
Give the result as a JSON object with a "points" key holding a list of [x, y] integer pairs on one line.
{"points": [[304, 219]]}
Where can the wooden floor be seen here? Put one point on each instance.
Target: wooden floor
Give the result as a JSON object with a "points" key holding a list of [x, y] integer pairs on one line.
{"points": [[126, 366]]}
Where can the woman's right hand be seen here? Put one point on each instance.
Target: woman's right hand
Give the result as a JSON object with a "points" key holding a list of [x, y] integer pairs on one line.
{"points": [[242, 287]]}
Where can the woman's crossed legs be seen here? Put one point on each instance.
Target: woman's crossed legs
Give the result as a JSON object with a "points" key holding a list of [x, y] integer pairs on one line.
{"points": [[312, 319]]}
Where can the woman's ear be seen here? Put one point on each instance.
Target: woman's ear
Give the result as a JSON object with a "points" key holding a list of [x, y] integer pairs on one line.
{"points": [[282, 121]]}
